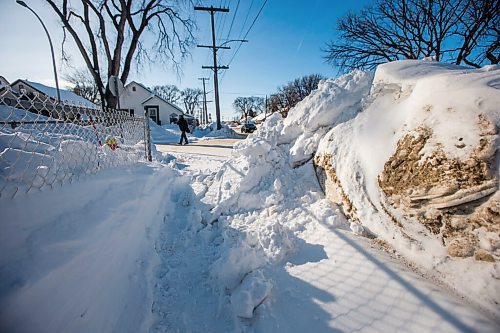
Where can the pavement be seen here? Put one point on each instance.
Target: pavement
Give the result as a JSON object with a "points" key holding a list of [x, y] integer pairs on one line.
{"points": [[215, 147]]}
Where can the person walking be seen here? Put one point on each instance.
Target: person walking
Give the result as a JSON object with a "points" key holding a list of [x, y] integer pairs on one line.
{"points": [[183, 126]]}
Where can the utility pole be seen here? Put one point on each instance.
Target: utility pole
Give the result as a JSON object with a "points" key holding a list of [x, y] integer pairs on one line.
{"points": [[215, 68], [265, 110], [204, 115]]}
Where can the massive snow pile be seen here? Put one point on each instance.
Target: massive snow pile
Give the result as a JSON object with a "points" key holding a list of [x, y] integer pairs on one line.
{"points": [[419, 168], [408, 151]]}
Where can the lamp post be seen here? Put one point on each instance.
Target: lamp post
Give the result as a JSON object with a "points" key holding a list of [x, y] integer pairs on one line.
{"points": [[234, 40], [22, 3]]}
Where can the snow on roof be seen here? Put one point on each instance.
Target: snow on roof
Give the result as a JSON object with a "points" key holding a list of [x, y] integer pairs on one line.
{"points": [[66, 96], [3, 82]]}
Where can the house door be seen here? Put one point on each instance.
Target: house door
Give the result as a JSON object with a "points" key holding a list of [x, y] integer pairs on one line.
{"points": [[152, 112]]}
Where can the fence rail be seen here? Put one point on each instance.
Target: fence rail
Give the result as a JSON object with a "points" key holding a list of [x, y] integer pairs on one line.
{"points": [[44, 143]]}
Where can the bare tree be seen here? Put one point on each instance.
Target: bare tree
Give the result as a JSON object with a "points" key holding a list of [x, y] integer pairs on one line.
{"points": [[83, 85], [459, 31], [168, 92], [481, 33], [249, 106], [292, 93], [191, 99], [275, 103], [112, 34]]}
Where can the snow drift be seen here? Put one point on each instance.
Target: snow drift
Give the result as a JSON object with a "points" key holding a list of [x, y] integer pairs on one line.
{"points": [[409, 152]]}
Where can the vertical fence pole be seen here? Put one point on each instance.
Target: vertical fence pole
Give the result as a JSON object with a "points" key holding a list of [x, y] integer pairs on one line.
{"points": [[147, 134]]}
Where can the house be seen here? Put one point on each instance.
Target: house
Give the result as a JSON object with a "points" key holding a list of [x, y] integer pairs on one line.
{"points": [[33, 89], [3, 82], [136, 98]]}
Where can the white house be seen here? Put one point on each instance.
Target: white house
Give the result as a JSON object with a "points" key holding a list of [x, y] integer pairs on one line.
{"points": [[136, 98], [29, 88]]}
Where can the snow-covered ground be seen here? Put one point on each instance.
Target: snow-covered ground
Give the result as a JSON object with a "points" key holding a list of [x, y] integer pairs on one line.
{"points": [[167, 134], [154, 248], [206, 243]]}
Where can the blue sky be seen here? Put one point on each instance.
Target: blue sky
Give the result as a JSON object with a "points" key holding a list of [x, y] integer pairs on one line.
{"points": [[285, 43]]}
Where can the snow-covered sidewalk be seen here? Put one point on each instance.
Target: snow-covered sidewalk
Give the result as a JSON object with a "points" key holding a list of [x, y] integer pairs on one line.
{"points": [[135, 250], [318, 275]]}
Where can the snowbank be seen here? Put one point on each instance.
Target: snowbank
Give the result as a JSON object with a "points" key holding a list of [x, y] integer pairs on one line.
{"points": [[418, 168], [355, 127], [210, 131], [164, 134], [85, 257]]}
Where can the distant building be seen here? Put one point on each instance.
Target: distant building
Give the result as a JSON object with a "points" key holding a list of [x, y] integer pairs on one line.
{"points": [[34, 89], [137, 99]]}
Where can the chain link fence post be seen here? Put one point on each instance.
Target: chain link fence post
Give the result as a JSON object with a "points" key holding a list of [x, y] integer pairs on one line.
{"points": [[147, 134]]}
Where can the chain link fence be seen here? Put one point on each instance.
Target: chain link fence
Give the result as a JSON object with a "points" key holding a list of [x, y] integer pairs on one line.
{"points": [[44, 143]]}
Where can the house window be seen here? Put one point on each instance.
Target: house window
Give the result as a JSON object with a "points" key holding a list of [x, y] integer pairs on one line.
{"points": [[132, 112], [21, 86], [133, 88]]}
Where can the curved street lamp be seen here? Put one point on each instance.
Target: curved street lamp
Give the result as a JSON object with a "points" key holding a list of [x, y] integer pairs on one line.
{"points": [[22, 3], [233, 40]]}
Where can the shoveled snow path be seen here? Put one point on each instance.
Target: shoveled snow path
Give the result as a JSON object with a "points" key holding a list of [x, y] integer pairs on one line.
{"points": [[334, 281]]}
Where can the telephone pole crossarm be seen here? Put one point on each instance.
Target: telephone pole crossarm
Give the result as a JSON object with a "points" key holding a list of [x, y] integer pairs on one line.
{"points": [[217, 47], [213, 68], [212, 9]]}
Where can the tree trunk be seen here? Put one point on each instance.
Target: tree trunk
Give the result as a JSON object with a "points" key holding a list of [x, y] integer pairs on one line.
{"points": [[111, 101]]}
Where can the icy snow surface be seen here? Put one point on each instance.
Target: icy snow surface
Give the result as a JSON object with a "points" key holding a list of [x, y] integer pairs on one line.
{"points": [[200, 243]]}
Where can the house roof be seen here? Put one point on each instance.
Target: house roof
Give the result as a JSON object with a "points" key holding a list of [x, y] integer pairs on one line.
{"points": [[67, 96], [153, 94], [3, 81]]}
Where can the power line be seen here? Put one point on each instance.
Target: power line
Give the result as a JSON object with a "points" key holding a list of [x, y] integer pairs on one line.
{"points": [[232, 21], [226, 5], [248, 31], [246, 19]]}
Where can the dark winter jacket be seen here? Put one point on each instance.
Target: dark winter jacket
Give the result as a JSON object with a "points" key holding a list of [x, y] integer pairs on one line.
{"points": [[183, 125]]}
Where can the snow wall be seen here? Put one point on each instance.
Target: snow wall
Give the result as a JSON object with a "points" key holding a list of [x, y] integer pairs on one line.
{"points": [[409, 154]]}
